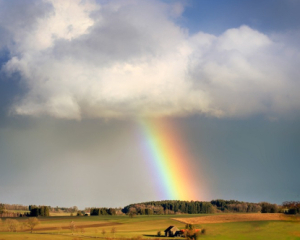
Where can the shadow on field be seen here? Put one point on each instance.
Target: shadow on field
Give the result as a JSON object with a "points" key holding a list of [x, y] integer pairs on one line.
{"points": [[159, 237]]}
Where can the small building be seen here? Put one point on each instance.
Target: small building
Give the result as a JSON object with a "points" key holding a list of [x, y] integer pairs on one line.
{"points": [[171, 231]]}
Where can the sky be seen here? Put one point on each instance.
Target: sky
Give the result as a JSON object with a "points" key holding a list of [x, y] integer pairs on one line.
{"points": [[80, 78]]}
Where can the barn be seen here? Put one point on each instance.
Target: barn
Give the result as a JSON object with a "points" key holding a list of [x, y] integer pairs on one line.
{"points": [[171, 231]]}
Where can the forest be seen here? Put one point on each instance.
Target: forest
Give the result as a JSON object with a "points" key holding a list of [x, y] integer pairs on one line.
{"points": [[196, 207]]}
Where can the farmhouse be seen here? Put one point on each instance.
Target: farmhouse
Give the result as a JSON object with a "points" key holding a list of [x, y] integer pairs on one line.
{"points": [[172, 231]]}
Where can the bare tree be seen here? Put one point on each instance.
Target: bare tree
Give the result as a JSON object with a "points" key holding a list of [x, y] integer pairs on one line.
{"points": [[12, 225], [72, 227], [75, 209], [32, 223], [103, 232], [113, 231]]}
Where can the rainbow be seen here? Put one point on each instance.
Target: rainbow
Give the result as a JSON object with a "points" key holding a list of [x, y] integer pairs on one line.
{"points": [[169, 160]]}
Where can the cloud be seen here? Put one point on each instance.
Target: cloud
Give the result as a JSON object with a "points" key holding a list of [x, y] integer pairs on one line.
{"points": [[87, 59]]}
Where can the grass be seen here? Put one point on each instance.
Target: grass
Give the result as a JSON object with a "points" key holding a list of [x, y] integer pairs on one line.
{"points": [[253, 230], [148, 226]]}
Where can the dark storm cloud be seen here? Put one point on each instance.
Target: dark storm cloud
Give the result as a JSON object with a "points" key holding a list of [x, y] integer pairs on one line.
{"points": [[253, 159], [59, 162], [10, 89], [20, 16]]}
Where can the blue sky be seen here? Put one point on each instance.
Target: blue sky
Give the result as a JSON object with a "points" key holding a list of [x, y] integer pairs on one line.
{"points": [[75, 76], [217, 16]]}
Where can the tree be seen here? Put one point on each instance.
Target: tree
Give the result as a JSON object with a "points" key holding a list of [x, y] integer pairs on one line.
{"points": [[39, 211], [75, 209], [111, 211], [113, 231], [189, 232], [148, 211], [34, 212], [2, 208], [189, 226], [131, 214], [72, 227], [268, 207], [12, 225], [32, 223]]}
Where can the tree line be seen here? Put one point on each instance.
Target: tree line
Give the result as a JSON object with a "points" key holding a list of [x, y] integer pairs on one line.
{"points": [[5, 213], [238, 206], [196, 207], [102, 211], [13, 207], [160, 208], [169, 207]]}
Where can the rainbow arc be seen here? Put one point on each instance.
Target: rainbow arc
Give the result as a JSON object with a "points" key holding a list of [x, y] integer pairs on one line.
{"points": [[168, 156]]}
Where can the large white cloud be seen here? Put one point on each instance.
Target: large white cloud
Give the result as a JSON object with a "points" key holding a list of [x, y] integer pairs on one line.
{"points": [[83, 59]]}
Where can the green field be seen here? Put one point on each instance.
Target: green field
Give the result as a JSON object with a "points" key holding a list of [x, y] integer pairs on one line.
{"points": [[148, 226]]}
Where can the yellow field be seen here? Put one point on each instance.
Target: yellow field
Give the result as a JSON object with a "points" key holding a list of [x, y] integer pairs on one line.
{"points": [[62, 214]]}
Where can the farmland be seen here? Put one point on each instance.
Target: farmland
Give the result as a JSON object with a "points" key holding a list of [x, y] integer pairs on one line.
{"points": [[218, 226]]}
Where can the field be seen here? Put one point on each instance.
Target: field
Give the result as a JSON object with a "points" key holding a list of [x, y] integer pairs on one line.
{"points": [[218, 226], [59, 214], [235, 218]]}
